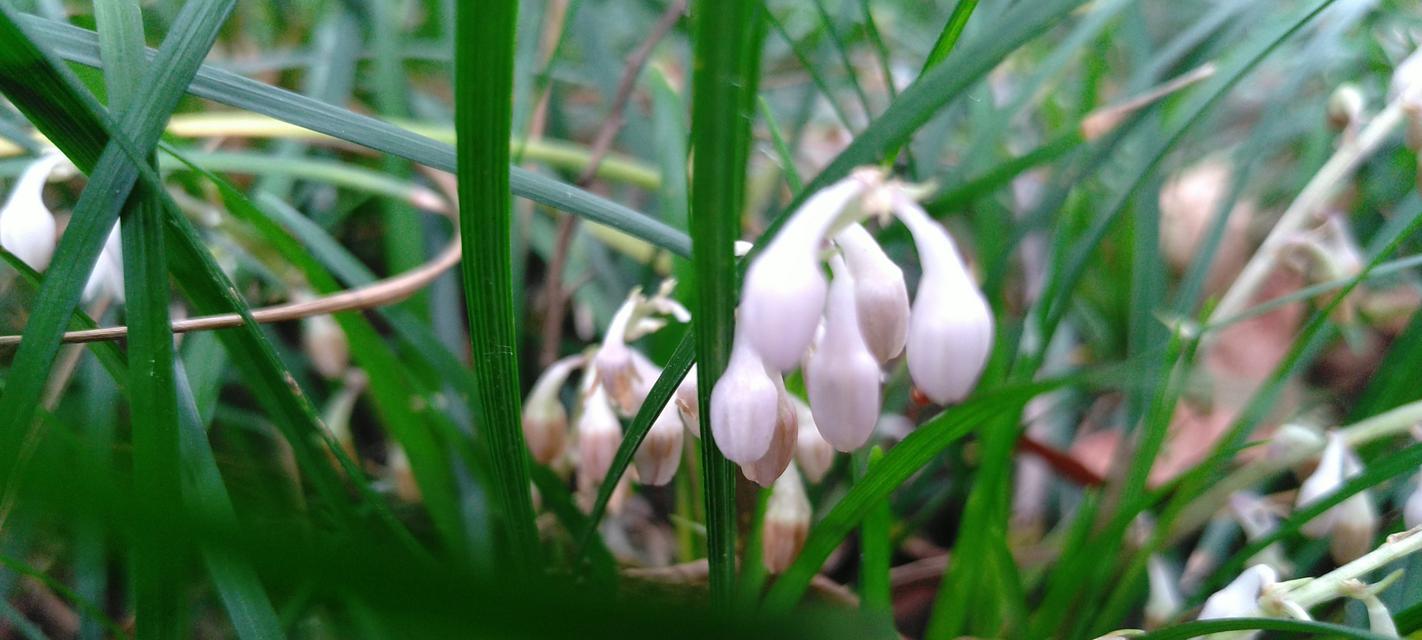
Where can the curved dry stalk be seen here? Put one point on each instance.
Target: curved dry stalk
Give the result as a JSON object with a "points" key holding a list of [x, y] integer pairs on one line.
{"points": [[376, 294]]}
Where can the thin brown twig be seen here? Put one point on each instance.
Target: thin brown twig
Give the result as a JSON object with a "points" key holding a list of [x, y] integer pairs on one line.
{"points": [[557, 294]]}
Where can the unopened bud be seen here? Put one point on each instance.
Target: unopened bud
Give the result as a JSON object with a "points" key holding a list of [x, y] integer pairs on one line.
{"points": [[744, 405], [599, 434], [787, 521], [782, 446], [1355, 520], [27, 228], [545, 421], [1326, 479], [842, 375], [951, 326], [325, 343], [813, 454], [880, 295], [1240, 599], [660, 453], [1345, 106]]}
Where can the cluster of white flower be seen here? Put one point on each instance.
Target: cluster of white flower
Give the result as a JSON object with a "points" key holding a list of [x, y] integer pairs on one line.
{"points": [[28, 229], [846, 330]]}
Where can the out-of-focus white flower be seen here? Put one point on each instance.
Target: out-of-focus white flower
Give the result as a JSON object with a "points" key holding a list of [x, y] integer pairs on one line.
{"points": [[782, 445], [1240, 599], [880, 295], [688, 404], [744, 405], [1165, 599], [950, 327], [107, 277], [615, 362], [787, 521], [1257, 517], [1326, 479], [27, 228], [1355, 520], [1407, 80], [813, 454], [325, 343], [784, 289], [598, 436], [660, 453], [545, 421], [842, 375], [1345, 106]]}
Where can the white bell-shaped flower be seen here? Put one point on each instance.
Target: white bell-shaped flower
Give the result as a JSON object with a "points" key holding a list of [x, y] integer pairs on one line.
{"points": [[1355, 520], [787, 521], [622, 370], [813, 454], [744, 405], [106, 280], [842, 375], [545, 421], [27, 228], [325, 344], [1240, 598], [784, 289], [599, 434], [660, 452], [951, 326], [1325, 479], [782, 445], [880, 295]]}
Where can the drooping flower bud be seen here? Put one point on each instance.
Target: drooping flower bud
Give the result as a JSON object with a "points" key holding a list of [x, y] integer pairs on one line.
{"points": [[1239, 599], [325, 344], [107, 277], [27, 228], [787, 521], [784, 289], [660, 453], [1326, 479], [1355, 520], [598, 436], [842, 375], [951, 327], [880, 295], [1165, 599], [813, 454], [744, 405], [1345, 106], [782, 446], [545, 421], [688, 404]]}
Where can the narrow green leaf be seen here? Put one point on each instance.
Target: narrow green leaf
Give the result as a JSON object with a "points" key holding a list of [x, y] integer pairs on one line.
{"points": [[948, 38], [875, 551], [484, 49], [79, 45], [727, 39], [1291, 627]]}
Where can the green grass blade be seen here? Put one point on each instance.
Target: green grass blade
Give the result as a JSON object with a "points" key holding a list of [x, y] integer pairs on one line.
{"points": [[727, 39], [79, 45], [110, 182], [948, 38], [483, 92], [876, 552], [237, 584], [1292, 628], [158, 585]]}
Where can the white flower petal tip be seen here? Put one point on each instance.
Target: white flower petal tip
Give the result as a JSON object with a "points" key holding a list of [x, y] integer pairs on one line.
{"points": [[599, 435], [688, 403], [744, 407], [545, 421], [106, 280], [880, 295], [842, 375], [27, 228], [950, 331], [1240, 598]]}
